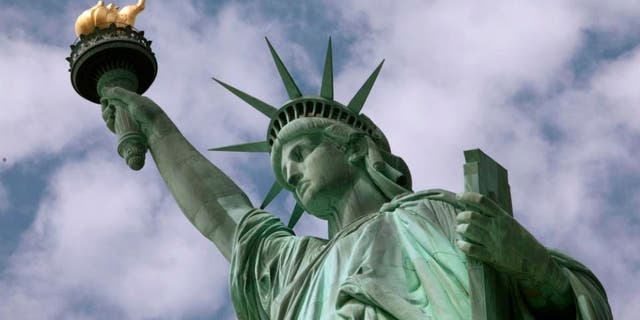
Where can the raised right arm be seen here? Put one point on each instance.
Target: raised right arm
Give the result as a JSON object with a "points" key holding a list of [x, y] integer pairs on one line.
{"points": [[207, 196]]}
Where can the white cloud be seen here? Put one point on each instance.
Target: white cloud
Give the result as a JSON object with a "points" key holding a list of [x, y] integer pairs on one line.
{"points": [[108, 242], [450, 78], [112, 240], [449, 68], [4, 198], [452, 72], [41, 113]]}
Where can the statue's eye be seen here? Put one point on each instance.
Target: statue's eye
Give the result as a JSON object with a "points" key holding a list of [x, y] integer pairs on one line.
{"points": [[303, 151], [299, 153]]}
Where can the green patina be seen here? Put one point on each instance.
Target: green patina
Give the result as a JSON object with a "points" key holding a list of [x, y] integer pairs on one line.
{"points": [[392, 253]]}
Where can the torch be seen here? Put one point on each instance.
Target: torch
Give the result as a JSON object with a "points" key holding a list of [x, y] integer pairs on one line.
{"points": [[110, 52]]}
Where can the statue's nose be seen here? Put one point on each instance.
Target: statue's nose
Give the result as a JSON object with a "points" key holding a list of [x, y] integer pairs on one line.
{"points": [[293, 173]]}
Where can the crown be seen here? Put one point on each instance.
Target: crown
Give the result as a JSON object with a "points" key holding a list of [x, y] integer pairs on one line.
{"points": [[306, 106]]}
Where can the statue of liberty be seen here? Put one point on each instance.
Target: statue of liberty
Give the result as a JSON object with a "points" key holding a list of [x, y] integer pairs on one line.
{"points": [[392, 253]]}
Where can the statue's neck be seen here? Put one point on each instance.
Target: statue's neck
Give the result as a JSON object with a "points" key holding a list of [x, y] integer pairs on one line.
{"points": [[362, 199]]}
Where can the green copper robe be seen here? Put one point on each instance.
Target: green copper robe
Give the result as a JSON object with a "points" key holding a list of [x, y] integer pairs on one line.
{"points": [[399, 263]]}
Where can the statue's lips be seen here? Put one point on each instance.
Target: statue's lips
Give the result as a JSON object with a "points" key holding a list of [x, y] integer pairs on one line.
{"points": [[302, 186]]}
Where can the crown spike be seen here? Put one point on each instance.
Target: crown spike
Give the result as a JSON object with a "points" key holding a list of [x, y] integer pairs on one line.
{"points": [[261, 146], [276, 188], [298, 210], [326, 90], [358, 100], [289, 84], [258, 104]]}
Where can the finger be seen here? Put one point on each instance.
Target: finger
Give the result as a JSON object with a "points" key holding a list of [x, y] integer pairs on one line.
{"points": [[120, 94], [108, 109], [108, 115], [472, 217], [111, 122], [475, 251], [105, 111], [475, 234], [105, 102], [480, 202], [112, 103]]}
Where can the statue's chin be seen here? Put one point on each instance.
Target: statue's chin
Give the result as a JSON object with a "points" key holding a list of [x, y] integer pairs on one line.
{"points": [[317, 206], [323, 216], [321, 200]]}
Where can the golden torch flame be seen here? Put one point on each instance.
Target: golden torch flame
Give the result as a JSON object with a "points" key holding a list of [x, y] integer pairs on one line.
{"points": [[101, 16]]}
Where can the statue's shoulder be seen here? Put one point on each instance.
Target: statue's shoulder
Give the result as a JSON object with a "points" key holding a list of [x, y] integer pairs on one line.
{"points": [[435, 207], [439, 197]]}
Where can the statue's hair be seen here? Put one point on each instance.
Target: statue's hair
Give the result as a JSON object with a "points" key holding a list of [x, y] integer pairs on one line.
{"points": [[389, 165]]}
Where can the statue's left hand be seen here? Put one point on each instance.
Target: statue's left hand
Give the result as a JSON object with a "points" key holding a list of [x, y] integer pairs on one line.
{"points": [[490, 234], [153, 121]]}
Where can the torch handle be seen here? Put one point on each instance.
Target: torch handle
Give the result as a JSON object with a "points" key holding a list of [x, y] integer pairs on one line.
{"points": [[132, 145]]}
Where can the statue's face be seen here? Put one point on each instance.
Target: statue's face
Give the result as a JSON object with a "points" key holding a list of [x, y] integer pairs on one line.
{"points": [[318, 172]]}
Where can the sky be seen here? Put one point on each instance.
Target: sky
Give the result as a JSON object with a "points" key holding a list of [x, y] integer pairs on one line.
{"points": [[548, 88]]}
